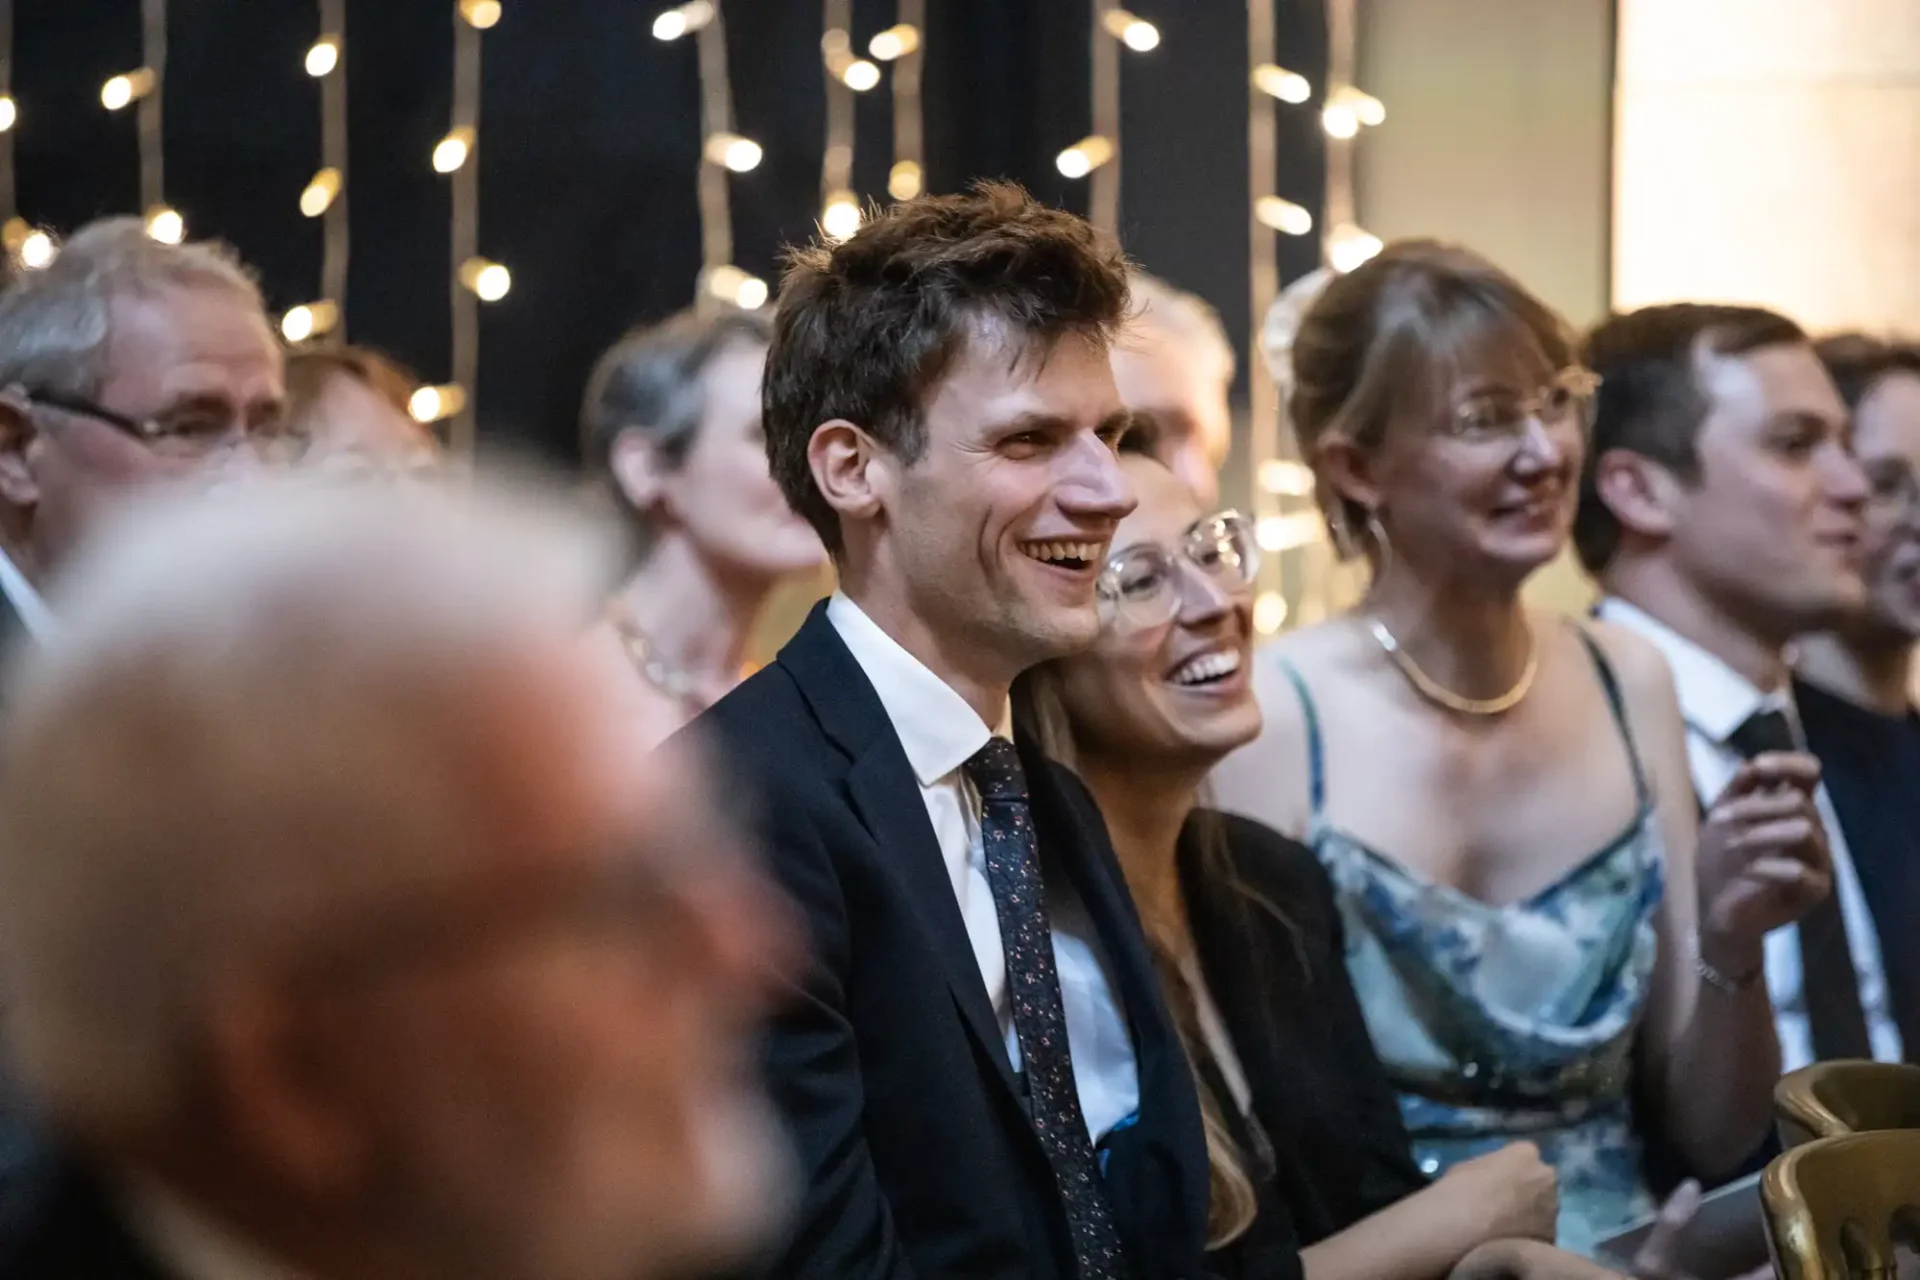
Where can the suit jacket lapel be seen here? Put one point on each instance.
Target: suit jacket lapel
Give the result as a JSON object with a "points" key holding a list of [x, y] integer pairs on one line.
{"points": [[886, 796]]}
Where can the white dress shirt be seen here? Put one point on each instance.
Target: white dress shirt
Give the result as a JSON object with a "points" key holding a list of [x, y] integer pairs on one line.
{"points": [[34, 615], [940, 733], [1716, 700], [190, 1245]]}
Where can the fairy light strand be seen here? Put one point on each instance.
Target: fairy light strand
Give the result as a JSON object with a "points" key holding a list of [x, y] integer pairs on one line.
{"points": [[839, 208], [464, 240], [1103, 192], [9, 195], [152, 119], [907, 178], [1263, 398], [336, 244], [716, 119]]}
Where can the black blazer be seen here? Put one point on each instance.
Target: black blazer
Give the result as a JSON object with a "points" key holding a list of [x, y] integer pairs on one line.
{"points": [[1334, 1149], [918, 1156]]}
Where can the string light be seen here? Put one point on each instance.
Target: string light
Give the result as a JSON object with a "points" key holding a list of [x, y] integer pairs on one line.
{"points": [[730, 284], [324, 58], [9, 113], [31, 247], [452, 151], [1269, 612], [895, 42], [488, 281], [482, 15], [1136, 33], [1283, 215], [1278, 82], [1285, 532], [841, 218], [904, 180], [165, 225], [1083, 157], [1349, 246], [741, 155], [123, 91], [860, 75], [309, 320], [1339, 120], [677, 22], [436, 404], [1364, 107], [318, 197]]}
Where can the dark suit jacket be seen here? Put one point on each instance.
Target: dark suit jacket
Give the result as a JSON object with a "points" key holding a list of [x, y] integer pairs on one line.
{"points": [[889, 1066], [1330, 1147], [56, 1222]]}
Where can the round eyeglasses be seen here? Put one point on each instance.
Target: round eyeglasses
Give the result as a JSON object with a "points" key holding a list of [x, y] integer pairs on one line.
{"points": [[1503, 416], [1141, 585]]}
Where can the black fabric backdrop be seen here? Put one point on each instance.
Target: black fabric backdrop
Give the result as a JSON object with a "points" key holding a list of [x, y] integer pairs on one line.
{"points": [[589, 143]]}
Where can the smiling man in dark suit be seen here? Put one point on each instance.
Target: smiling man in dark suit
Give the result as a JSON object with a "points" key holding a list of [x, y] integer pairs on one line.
{"points": [[978, 1070]]}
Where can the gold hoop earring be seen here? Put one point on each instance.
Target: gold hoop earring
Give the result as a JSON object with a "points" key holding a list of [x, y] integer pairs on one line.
{"points": [[1340, 533], [1382, 545]]}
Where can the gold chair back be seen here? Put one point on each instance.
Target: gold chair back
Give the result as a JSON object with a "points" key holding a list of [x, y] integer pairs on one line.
{"points": [[1828, 1099], [1837, 1206]]}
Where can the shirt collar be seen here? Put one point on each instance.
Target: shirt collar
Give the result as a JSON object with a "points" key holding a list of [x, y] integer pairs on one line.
{"points": [[190, 1244], [1714, 698], [27, 602], [937, 727]]}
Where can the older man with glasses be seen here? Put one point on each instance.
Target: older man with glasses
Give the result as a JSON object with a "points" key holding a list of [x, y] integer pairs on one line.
{"points": [[124, 363]]}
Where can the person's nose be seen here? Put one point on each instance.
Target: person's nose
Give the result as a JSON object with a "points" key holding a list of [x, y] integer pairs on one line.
{"points": [[1093, 485], [1846, 481], [1204, 599], [1539, 448]]}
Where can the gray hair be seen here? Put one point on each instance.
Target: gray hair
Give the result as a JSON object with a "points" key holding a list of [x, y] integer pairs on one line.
{"points": [[241, 745], [55, 322], [1186, 318], [649, 382]]}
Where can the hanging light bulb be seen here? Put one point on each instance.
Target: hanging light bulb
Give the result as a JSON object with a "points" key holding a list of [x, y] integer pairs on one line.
{"points": [[733, 151], [480, 14], [904, 180], [324, 57], [489, 281], [1339, 121], [1084, 156], [1136, 33], [123, 90], [677, 22], [309, 320], [9, 113], [841, 218], [1283, 215], [435, 404], [894, 42], [38, 251], [453, 150], [859, 75], [1283, 533], [166, 225], [1287, 477], [320, 193], [730, 284], [1349, 246], [1278, 82], [1363, 107]]}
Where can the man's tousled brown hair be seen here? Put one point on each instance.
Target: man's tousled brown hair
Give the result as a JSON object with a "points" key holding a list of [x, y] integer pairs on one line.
{"points": [[866, 328]]}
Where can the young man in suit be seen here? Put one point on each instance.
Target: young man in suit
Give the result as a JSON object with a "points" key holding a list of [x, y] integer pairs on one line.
{"points": [[978, 1070], [1721, 511]]}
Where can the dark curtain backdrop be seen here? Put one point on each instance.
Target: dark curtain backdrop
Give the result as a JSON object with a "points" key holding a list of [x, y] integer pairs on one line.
{"points": [[589, 145]]}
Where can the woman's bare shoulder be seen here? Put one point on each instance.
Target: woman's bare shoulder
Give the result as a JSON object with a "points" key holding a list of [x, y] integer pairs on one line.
{"points": [[1646, 681]]}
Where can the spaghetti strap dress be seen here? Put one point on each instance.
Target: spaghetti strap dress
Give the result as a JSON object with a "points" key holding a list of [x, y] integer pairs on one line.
{"points": [[1498, 1024]]}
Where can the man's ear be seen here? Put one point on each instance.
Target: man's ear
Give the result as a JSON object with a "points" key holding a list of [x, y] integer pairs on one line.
{"points": [[18, 487], [854, 474], [275, 1095], [1644, 496]]}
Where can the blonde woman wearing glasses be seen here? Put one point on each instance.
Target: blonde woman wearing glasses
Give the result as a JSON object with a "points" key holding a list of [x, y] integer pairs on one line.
{"points": [[1501, 797]]}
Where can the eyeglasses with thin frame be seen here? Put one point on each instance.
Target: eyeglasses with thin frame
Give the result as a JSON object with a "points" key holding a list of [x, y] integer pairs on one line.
{"points": [[1503, 417], [1141, 587], [193, 437]]}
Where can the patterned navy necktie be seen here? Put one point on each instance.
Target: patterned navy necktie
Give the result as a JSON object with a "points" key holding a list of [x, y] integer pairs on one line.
{"points": [[1039, 1018]]}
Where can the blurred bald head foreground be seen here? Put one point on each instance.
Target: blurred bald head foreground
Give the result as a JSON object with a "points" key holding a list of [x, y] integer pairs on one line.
{"points": [[350, 931]]}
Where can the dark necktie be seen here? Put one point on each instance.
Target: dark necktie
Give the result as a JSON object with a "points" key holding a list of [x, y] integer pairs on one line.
{"points": [[1829, 986], [1039, 1017]]}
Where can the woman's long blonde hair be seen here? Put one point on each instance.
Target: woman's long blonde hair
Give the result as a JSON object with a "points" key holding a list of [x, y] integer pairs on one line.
{"points": [[1232, 1204]]}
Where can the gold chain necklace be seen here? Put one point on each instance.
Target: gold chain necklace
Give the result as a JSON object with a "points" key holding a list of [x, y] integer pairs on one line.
{"points": [[655, 670], [1434, 691]]}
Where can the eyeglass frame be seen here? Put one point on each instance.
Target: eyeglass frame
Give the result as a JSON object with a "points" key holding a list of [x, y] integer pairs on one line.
{"points": [[1107, 593], [148, 431], [1580, 383]]}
